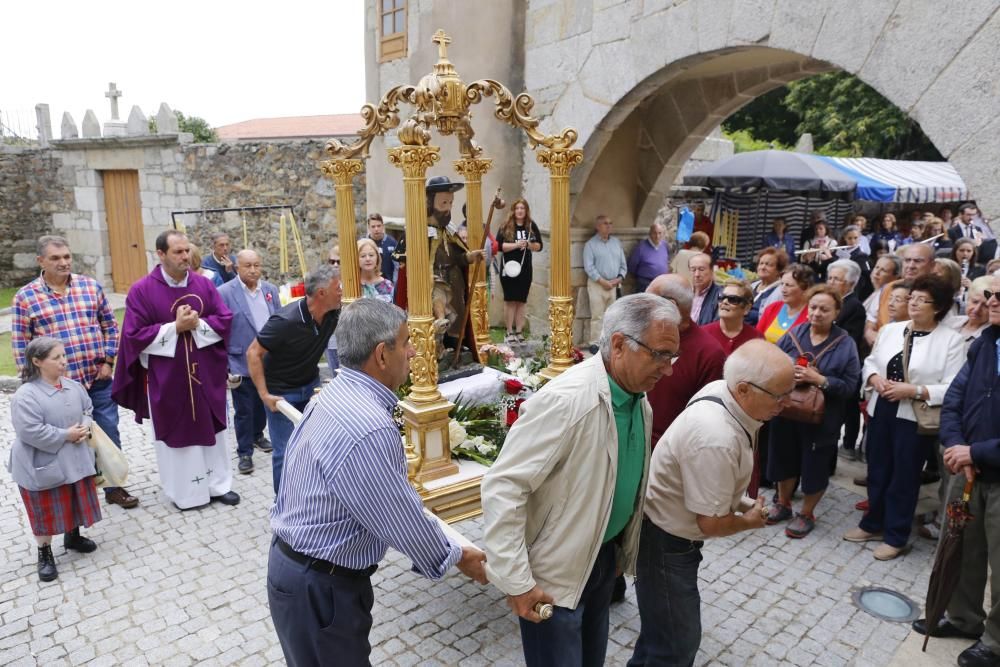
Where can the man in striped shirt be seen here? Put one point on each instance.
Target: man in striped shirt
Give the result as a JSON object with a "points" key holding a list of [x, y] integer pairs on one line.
{"points": [[74, 309], [345, 499]]}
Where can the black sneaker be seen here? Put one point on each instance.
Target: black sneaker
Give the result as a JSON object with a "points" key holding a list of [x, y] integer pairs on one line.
{"points": [[263, 444], [245, 465]]}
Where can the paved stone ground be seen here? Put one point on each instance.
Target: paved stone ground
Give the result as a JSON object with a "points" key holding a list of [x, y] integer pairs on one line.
{"points": [[172, 588]]}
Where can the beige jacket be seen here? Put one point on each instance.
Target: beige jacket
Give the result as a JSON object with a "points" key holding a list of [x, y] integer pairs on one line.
{"points": [[547, 499]]}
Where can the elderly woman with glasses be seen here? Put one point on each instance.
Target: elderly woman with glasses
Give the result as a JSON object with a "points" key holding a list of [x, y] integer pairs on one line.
{"points": [[731, 329], [826, 358], [913, 361]]}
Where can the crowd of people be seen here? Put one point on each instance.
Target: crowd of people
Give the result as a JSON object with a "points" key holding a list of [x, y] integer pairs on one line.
{"points": [[701, 393]]}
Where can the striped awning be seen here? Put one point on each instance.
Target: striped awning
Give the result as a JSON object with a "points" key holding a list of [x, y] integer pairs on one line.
{"points": [[902, 181]]}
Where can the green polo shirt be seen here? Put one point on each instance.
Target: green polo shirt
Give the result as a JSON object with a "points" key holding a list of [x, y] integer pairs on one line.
{"points": [[631, 456]]}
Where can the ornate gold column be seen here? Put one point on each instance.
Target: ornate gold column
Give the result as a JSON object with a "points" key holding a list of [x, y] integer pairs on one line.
{"points": [[425, 412], [472, 169], [559, 162], [343, 172]]}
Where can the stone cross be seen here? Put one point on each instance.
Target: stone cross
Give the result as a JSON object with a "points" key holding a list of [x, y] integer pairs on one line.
{"points": [[442, 40], [113, 94]]}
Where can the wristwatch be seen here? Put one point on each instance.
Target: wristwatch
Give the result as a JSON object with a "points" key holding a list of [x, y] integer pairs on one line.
{"points": [[825, 385]]}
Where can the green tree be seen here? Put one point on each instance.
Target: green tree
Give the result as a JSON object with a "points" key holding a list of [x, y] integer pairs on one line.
{"points": [[199, 127], [845, 116]]}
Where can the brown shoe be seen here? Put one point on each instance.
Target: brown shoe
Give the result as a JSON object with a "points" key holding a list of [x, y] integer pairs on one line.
{"points": [[861, 481], [121, 497]]}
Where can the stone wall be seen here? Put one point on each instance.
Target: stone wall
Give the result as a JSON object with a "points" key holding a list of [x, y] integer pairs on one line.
{"points": [[30, 192], [249, 174], [60, 190]]}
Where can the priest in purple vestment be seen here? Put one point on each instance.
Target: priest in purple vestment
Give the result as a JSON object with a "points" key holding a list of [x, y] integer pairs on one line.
{"points": [[172, 369]]}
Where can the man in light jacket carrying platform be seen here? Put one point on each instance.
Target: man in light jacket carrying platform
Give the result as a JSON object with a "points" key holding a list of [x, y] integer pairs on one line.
{"points": [[563, 504]]}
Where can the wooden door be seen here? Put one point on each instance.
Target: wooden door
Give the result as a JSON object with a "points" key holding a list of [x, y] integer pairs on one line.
{"points": [[128, 246]]}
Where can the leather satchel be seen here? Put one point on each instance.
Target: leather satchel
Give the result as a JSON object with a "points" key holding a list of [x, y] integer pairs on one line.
{"points": [[928, 417], [807, 403]]}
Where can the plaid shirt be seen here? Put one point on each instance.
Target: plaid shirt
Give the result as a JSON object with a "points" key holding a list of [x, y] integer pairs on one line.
{"points": [[82, 319]]}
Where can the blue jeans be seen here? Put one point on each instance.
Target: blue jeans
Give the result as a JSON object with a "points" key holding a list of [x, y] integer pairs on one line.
{"points": [[574, 637], [281, 428], [105, 414], [249, 418], [666, 587]]}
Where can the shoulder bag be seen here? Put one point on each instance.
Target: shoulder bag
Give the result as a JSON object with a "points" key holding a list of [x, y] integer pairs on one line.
{"points": [[807, 403], [928, 417]]}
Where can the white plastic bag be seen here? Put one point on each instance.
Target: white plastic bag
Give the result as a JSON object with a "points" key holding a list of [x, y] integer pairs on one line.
{"points": [[111, 464]]}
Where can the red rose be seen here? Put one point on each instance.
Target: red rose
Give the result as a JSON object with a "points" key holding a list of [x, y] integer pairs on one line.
{"points": [[513, 386], [511, 416]]}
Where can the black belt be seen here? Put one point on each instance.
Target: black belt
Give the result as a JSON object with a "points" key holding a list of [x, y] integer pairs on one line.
{"points": [[323, 566], [697, 544]]}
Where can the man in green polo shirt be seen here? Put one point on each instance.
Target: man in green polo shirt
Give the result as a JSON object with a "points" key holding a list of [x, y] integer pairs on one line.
{"points": [[563, 504]]}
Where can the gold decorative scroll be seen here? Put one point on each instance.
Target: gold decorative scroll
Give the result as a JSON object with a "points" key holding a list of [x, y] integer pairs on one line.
{"points": [[342, 172], [472, 170]]}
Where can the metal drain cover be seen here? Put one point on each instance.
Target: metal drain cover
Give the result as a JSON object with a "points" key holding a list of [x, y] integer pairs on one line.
{"points": [[886, 604]]}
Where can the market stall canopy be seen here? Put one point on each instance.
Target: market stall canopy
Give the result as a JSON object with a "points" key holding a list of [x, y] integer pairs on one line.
{"points": [[902, 181], [781, 171]]}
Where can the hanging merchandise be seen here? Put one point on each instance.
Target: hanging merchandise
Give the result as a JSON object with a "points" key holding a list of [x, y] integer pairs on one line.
{"points": [[685, 226]]}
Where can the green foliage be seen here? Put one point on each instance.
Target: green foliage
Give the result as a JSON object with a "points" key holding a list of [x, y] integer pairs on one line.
{"points": [[846, 117], [745, 142], [199, 127]]}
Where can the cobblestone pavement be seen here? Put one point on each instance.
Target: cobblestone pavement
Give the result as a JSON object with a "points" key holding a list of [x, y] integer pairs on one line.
{"points": [[172, 588]]}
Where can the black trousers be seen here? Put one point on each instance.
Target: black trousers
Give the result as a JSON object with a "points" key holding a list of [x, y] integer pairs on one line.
{"points": [[320, 619]]}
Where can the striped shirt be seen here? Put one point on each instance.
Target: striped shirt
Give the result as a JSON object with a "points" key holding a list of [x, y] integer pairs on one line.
{"points": [[81, 318], [344, 494]]}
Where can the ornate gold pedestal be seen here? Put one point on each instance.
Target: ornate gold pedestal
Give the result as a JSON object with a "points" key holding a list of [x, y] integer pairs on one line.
{"points": [[442, 101]]}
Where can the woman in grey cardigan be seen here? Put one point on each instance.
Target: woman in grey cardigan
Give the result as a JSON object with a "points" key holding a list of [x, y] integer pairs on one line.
{"points": [[50, 459]]}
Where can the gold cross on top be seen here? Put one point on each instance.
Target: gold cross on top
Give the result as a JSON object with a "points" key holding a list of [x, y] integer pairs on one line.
{"points": [[442, 39]]}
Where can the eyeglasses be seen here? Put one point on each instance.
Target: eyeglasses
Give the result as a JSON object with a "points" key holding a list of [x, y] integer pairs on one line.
{"points": [[917, 300], [333, 262], [734, 299], [778, 397], [659, 356], [987, 294]]}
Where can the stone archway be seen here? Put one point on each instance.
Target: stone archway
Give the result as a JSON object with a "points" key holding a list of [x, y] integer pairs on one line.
{"points": [[645, 82]]}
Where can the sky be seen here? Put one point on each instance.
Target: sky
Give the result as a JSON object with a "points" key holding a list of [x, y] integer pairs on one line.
{"points": [[222, 61]]}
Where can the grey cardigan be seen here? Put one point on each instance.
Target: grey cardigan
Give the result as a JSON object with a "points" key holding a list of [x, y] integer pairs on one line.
{"points": [[41, 457]]}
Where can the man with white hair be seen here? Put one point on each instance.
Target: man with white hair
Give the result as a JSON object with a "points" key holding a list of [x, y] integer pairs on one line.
{"points": [[562, 505], [698, 476]]}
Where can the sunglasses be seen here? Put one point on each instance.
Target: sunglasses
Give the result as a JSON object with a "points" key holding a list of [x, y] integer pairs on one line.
{"points": [[987, 294], [334, 262], [734, 299]]}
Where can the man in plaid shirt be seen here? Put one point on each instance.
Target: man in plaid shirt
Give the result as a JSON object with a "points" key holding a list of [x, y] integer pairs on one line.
{"points": [[73, 308]]}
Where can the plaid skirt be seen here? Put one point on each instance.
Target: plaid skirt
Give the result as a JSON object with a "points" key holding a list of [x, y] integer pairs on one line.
{"points": [[63, 508]]}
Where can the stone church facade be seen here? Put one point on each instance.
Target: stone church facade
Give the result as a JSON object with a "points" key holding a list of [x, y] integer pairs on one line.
{"points": [[644, 82]]}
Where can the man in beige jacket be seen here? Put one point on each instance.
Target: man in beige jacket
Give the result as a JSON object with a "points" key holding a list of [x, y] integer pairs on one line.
{"points": [[563, 504]]}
